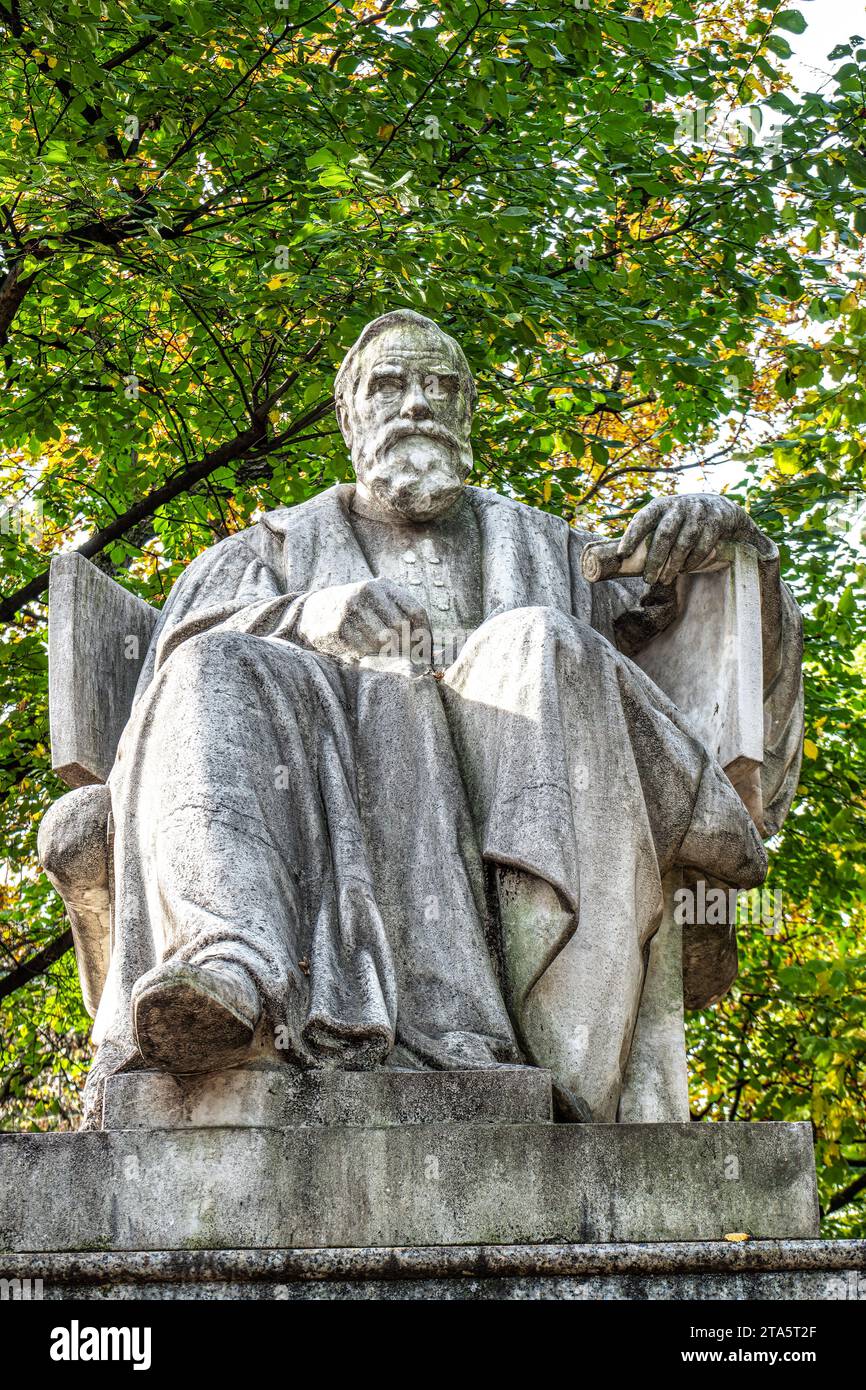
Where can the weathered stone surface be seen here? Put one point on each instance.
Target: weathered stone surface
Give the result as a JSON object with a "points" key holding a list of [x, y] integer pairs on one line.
{"points": [[702, 1270], [98, 635], [656, 1083], [277, 1098], [404, 1185], [710, 660], [74, 852]]}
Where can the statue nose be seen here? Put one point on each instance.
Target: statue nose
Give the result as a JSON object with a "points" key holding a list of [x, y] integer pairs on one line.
{"points": [[416, 405]]}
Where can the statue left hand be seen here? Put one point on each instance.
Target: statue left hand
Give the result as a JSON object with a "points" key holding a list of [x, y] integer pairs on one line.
{"points": [[686, 530]]}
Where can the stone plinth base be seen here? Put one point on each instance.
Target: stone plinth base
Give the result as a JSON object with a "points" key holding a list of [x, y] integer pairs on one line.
{"points": [[283, 1098], [225, 1188], [760, 1270], [270, 1160]]}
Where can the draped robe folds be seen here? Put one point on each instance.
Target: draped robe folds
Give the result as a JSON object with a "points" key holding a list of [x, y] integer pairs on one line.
{"points": [[330, 825]]}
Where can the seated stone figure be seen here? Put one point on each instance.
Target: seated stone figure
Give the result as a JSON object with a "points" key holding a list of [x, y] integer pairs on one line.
{"points": [[393, 792]]}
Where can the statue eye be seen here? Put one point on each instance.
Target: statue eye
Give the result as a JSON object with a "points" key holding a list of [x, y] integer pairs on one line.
{"points": [[442, 384], [386, 384]]}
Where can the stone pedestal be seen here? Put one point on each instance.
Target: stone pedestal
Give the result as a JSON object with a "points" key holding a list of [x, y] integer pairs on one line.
{"points": [[271, 1160], [268, 1183]]}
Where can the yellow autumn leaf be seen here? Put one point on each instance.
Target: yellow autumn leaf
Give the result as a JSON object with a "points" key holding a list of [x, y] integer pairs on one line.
{"points": [[736, 1236], [52, 62], [275, 283], [17, 125], [809, 748]]}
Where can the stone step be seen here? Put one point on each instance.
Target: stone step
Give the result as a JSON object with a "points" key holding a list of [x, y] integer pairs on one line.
{"points": [[404, 1185], [754, 1269], [275, 1098]]}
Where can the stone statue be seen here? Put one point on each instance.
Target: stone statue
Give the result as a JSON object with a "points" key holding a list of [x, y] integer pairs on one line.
{"points": [[393, 792]]}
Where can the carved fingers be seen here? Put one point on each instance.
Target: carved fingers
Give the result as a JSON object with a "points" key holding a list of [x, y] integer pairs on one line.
{"points": [[640, 526], [684, 532], [358, 620], [380, 610]]}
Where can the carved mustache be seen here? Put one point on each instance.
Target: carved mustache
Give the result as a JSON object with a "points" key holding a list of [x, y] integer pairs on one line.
{"points": [[410, 429]]}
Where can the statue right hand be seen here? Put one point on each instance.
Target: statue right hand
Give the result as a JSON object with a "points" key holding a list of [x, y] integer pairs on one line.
{"points": [[353, 621]]}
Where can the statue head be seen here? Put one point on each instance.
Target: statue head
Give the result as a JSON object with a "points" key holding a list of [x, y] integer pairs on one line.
{"points": [[404, 397]]}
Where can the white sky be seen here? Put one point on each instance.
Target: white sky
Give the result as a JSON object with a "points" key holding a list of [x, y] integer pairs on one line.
{"points": [[829, 22]]}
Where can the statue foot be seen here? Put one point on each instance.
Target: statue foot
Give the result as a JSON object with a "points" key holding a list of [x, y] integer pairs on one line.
{"points": [[194, 1018]]}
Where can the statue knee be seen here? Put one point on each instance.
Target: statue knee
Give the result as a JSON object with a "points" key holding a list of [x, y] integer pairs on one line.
{"points": [[220, 646], [552, 624], [534, 618], [73, 838], [195, 663]]}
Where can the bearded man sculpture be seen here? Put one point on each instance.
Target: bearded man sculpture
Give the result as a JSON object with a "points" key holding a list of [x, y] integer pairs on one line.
{"points": [[371, 725]]}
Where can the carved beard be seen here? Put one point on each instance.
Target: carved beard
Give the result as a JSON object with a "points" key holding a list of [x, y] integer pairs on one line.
{"points": [[413, 469]]}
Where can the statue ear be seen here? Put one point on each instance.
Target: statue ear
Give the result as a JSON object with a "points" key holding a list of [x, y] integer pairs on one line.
{"points": [[344, 422]]}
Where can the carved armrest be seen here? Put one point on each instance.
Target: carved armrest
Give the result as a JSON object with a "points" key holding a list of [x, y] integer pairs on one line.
{"points": [[709, 662], [98, 635]]}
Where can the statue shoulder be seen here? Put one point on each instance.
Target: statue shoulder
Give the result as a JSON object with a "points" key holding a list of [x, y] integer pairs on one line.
{"points": [[242, 546], [543, 523], [264, 539], [282, 521], [233, 566]]}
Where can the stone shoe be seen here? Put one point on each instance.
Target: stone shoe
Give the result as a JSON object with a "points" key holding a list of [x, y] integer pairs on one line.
{"points": [[194, 1018]]}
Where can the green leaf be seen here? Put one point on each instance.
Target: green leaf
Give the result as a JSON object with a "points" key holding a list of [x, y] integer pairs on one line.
{"points": [[792, 20]]}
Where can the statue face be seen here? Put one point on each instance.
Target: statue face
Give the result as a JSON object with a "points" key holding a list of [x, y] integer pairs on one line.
{"points": [[408, 424]]}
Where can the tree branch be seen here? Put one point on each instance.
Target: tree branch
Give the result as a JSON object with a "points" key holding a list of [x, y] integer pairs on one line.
{"points": [[135, 48], [248, 441], [841, 1199], [36, 964]]}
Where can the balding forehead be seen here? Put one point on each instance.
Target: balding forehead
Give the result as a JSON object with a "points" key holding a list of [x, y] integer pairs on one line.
{"points": [[408, 341]]}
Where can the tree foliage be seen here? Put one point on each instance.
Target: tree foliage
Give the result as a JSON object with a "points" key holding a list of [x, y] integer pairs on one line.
{"points": [[200, 210]]}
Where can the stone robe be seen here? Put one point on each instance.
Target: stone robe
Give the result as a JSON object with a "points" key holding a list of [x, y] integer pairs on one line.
{"points": [[336, 827]]}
